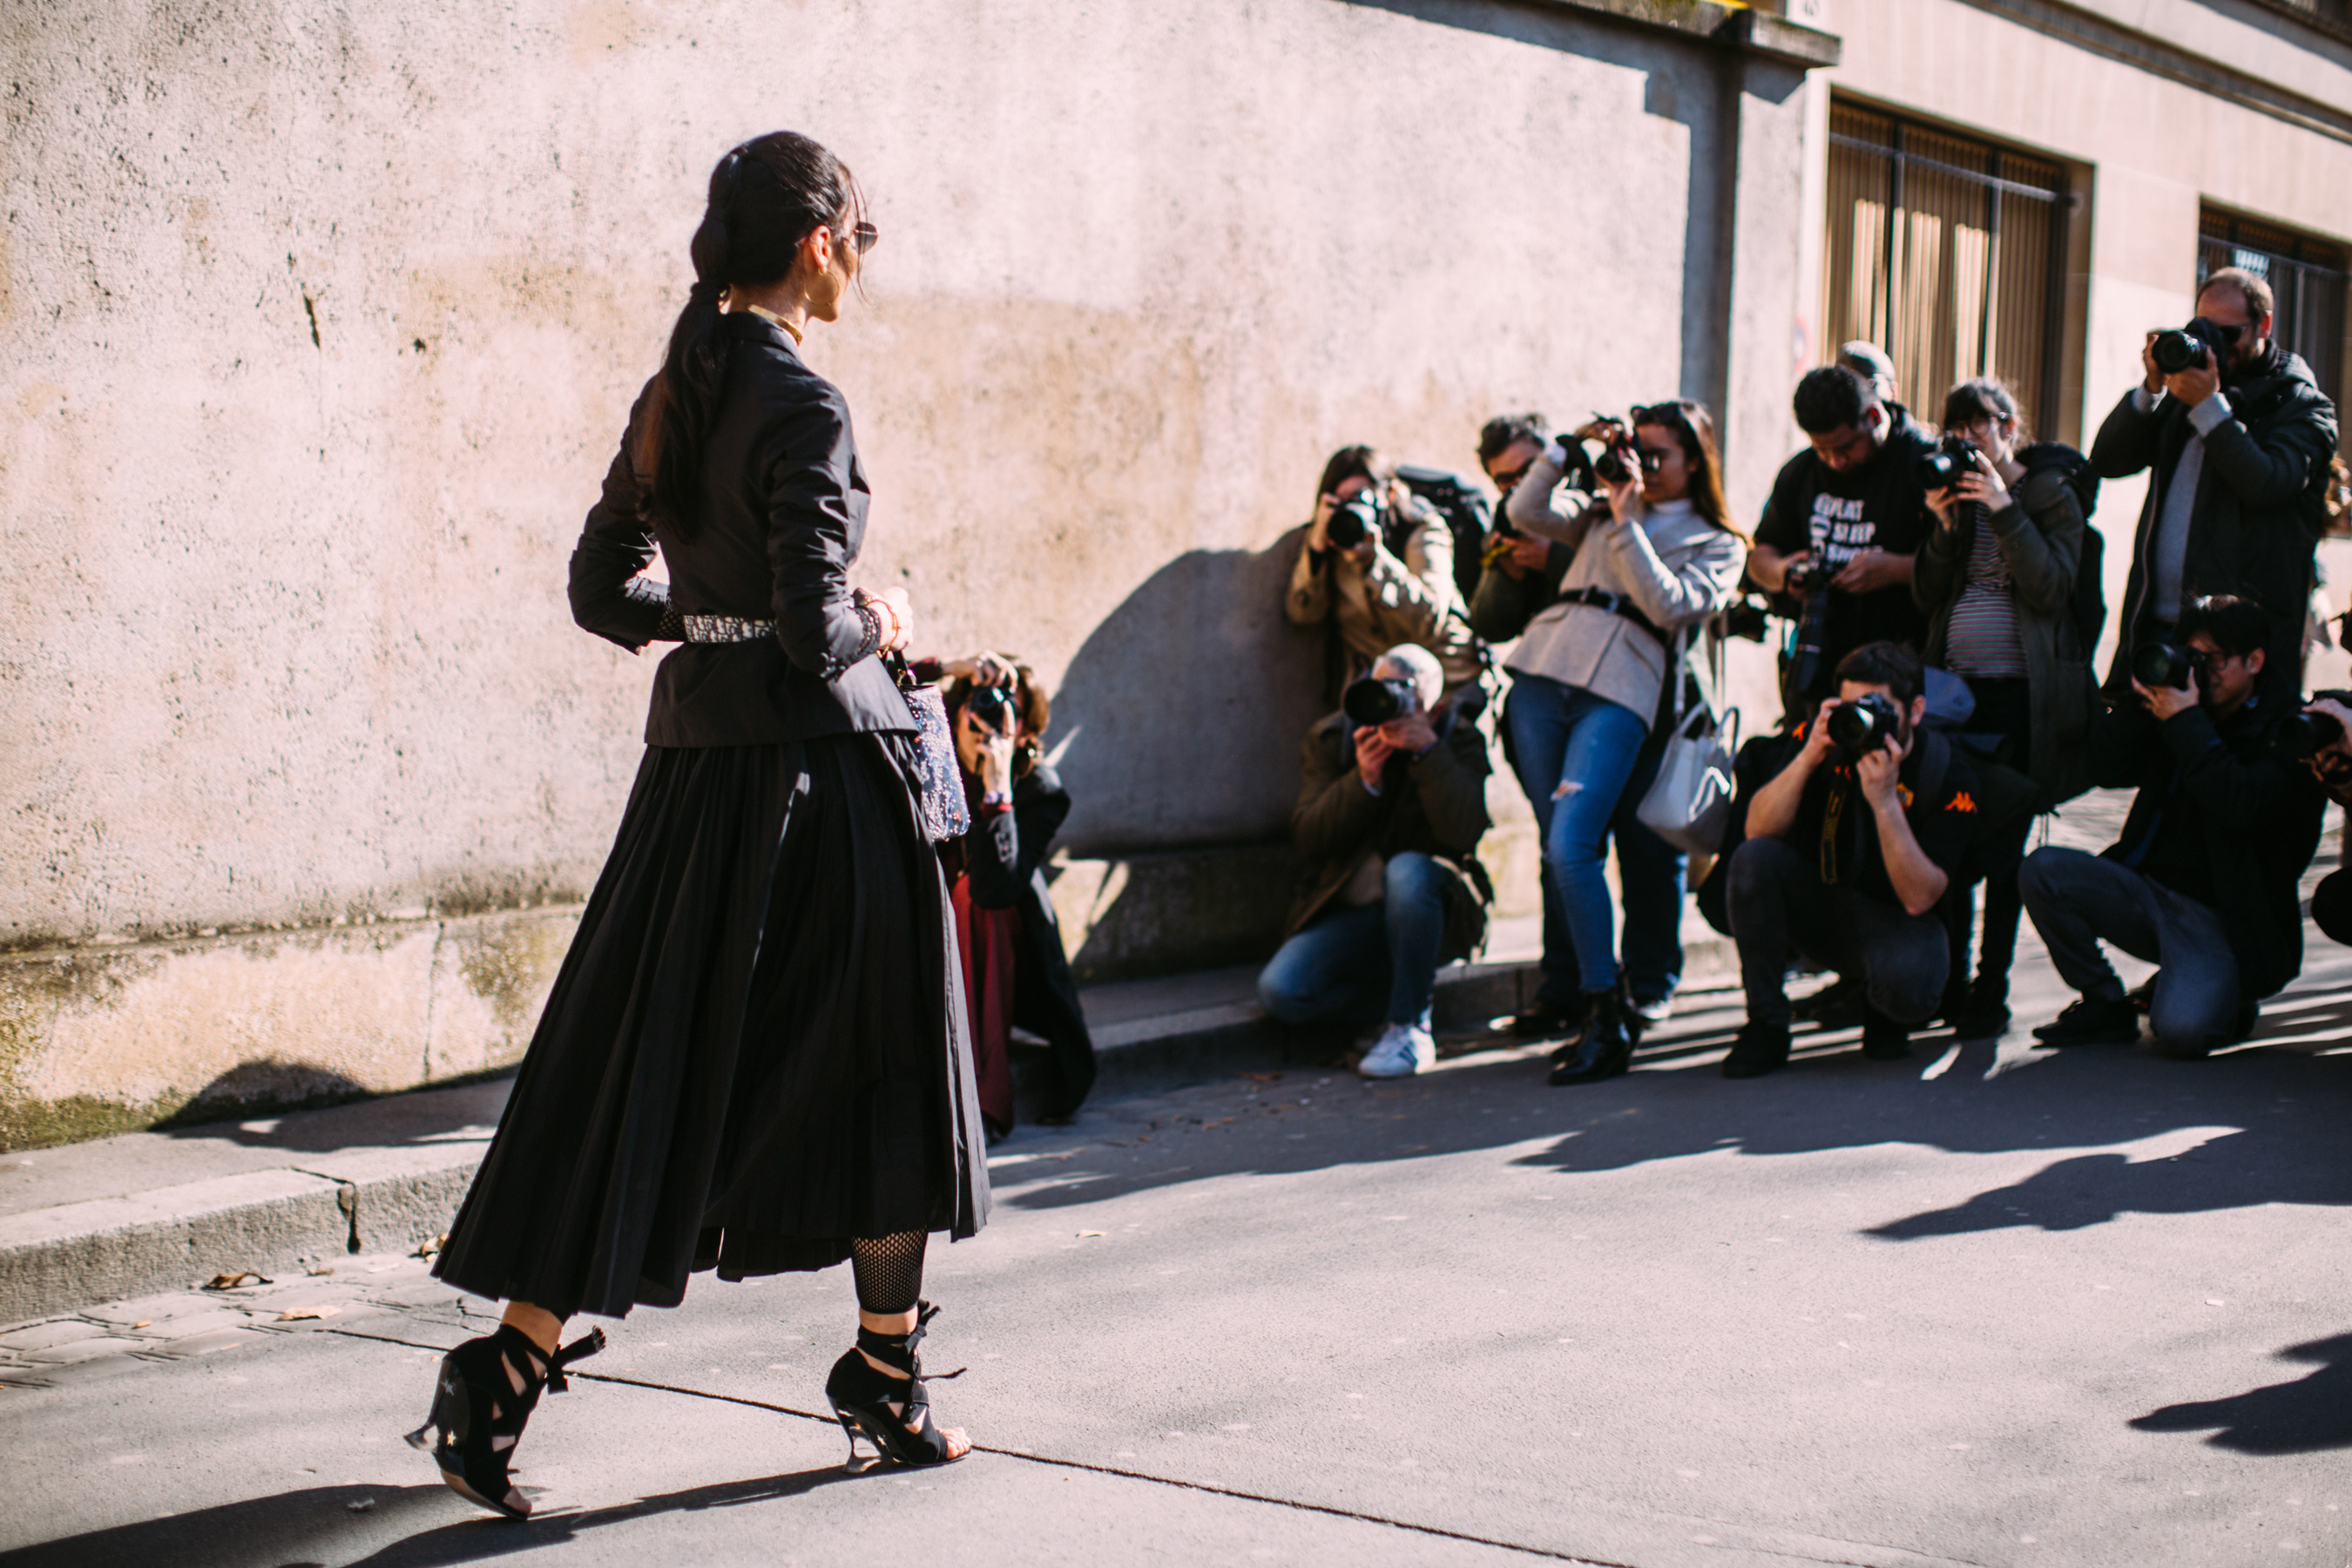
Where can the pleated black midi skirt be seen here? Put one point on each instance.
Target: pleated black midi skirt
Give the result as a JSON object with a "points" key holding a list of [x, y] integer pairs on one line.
{"points": [[755, 1050]]}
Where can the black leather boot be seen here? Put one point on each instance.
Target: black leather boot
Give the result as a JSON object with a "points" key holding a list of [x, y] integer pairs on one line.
{"points": [[1607, 1048]]}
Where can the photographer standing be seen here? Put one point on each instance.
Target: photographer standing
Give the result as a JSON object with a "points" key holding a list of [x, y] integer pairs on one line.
{"points": [[1380, 565], [1845, 518], [1653, 560], [1014, 969], [1997, 580], [2204, 880], [2238, 434], [1849, 852], [1391, 804]]}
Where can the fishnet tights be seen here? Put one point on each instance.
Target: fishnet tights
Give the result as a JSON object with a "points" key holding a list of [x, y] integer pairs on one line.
{"points": [[888, 1270]]}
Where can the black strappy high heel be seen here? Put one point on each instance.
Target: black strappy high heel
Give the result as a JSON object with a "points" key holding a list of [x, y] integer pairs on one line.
{"points": [[478, 1415], [862, 1398]]}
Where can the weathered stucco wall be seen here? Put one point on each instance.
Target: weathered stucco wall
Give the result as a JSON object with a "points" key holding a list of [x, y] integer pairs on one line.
{"points": [[318, 323]]}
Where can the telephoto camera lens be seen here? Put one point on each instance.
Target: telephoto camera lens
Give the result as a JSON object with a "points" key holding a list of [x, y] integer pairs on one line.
{"points": [[2161, 664], [1353, 521], [1373, 700], [1863, 724], [2305, 735], [1940, 470]]}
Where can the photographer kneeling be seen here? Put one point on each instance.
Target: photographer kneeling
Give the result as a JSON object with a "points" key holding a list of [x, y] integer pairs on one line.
{"points": [[1391, 804], [2204, 881], [1014, 969], [1849, 852]]}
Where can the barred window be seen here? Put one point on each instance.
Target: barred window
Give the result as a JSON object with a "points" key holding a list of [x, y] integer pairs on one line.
{"points": [[2308, 277], [1950, 254]]}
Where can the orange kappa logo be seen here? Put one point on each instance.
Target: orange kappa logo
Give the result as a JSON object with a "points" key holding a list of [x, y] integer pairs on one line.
{"points": [[1962, 802]]}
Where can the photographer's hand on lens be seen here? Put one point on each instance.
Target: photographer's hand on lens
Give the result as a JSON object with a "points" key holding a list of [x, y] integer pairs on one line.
{"points": [[1411, 735], [1983, 486], [1319, 532], [985, 750], [2198, 382], [1527, 555], [2331, 765], [2165, 702], [1819, 745], [1373, 752], [1872, 570], [1879, 770], [983, 669], [1624, 498]]}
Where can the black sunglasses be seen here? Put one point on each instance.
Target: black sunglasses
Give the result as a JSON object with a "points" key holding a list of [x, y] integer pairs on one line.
{"points": [[864, 236]]}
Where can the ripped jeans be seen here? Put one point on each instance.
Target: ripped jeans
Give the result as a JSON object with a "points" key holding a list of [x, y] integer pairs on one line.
{"points": [[1574, 752]]}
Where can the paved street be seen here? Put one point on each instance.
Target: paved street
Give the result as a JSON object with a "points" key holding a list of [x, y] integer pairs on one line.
{"points": [[1999, 1306]]}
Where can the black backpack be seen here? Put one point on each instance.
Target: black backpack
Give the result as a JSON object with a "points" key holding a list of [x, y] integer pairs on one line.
{"points": [[2090, 608], [1467, 515]]}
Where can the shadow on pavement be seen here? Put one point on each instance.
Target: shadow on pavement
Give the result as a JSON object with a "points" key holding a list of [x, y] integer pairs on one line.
{"points": [[2260, 1124], [291, 1530], [2306, 1417]]}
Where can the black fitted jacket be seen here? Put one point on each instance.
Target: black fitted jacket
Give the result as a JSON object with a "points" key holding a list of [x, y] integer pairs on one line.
{"points": [[2256, 812], [781, 520], [2256, 524]]}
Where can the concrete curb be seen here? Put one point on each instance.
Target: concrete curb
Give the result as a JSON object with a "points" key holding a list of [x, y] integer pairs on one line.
{"points": [[77, 1254], [388, 1200]]}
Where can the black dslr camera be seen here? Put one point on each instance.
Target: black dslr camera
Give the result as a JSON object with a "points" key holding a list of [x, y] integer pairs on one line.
{"points": [[2176, 351], [1942, 468], [992, 706], [2305, 735], [1863, 725], [2161, 664], [1353, 521], [1622, 456], [1373, 701]]}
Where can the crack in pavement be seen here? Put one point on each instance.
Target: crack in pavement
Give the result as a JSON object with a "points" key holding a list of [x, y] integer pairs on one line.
{"points": [[1207, 1488]]}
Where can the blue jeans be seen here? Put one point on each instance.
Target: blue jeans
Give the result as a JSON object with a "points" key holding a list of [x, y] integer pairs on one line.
{"points": [[1348, 965], [1576, 755]]}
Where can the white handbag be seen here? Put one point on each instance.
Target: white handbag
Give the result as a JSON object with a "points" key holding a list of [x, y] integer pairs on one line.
{"points": [[1689, 806]]}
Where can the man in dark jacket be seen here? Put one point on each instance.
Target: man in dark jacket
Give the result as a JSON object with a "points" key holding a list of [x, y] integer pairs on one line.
{"points": [[2238, 451], [1845, 520], [2202, 882], [1388, 824]]}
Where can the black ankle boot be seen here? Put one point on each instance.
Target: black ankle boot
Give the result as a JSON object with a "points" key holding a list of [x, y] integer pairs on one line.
{"points": [[1607, 1048]]}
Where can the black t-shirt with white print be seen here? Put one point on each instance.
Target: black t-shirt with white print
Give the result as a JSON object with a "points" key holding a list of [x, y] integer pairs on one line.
{"points": [[1838, 516]]}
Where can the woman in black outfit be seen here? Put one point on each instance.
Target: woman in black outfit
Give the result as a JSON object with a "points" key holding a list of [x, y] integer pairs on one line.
{"points": [[754, 1059]]}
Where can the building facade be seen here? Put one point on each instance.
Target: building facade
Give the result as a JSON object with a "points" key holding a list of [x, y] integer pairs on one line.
{"points": [[317, 328]]}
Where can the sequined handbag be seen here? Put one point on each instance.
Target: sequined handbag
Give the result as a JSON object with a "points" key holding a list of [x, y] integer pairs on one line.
{"points": [[939, 802]]}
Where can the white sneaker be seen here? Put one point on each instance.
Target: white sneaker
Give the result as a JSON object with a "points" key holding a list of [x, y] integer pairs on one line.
{"points": [[1402, 1050]]}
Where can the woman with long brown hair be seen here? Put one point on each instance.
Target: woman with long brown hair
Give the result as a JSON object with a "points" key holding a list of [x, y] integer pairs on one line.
{"points": [[1656, 556], [755, 1057]]}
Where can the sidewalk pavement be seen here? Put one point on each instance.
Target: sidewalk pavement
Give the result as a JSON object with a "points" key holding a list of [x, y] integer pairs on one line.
{"points": [[151, 1214]]}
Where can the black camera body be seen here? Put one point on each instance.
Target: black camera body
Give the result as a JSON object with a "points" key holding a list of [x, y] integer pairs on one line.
{"points": [[1805, 578], [1622, 456], [2155, 663], [2305, 735], [1942, 468], [1863, 725], [1353, 521], [1375, 699], [992, 706], [2176, 351]]}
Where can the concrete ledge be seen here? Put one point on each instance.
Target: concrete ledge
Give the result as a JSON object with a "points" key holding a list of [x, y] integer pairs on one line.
{"points": [[374, 1200], [52, 1261]]}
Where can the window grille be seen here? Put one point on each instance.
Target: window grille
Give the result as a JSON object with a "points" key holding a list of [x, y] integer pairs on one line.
{"points": [[2307, 279], [1951, 255]]}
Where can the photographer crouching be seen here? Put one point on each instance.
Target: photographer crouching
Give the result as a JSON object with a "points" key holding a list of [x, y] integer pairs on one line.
{"points": [[1849, 852], [1391, 804], [2204, 881], [1014, 969]]}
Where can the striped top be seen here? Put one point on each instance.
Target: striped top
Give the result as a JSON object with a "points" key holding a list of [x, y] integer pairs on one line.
{"points": [[1982, 638]]}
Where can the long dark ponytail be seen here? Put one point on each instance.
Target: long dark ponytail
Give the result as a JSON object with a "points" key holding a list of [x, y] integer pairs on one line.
{"points": [[766, 197]]}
